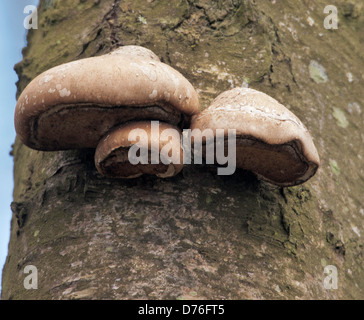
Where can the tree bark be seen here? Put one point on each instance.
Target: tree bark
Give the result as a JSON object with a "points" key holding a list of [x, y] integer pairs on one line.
{"points": [[199, 235]]}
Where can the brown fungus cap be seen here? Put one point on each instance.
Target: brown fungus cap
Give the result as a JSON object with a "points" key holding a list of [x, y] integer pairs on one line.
{"points": [[270, 140], [73, 105], [136, 51], [112, 153]]}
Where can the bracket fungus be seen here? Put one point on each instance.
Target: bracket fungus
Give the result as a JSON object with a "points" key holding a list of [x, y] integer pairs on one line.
{"points": [[76, 104], [161, 150], [270, 140]]}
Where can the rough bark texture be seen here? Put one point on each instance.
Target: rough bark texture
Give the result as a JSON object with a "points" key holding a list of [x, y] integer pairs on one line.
{"points": [[200, 235]]}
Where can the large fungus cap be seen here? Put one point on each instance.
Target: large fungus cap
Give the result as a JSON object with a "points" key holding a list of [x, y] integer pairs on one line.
{"points": [[136, 51], [271, 141], [112, 157], [73, 105]]}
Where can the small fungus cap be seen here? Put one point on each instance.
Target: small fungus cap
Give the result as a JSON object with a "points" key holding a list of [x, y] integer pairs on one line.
{"points": [[73, 105], [271, 141], [112, 154]]}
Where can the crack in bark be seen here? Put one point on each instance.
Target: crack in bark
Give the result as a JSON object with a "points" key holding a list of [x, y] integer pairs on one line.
{"points": [[275, 51], [111, 18], [87, 44]]}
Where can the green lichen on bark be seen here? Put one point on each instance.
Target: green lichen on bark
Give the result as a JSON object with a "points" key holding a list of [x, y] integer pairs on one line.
{"points": [[198, 235]]}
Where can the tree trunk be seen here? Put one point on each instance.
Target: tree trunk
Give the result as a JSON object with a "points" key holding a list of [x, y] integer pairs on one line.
{"points": [[200, 235]]}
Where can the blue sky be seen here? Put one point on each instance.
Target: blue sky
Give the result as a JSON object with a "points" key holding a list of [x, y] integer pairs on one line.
{"points": [[12, 40]]}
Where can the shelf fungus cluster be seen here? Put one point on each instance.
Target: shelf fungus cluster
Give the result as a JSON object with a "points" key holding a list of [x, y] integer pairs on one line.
{"points": [[95, 102], [111, 102]]}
